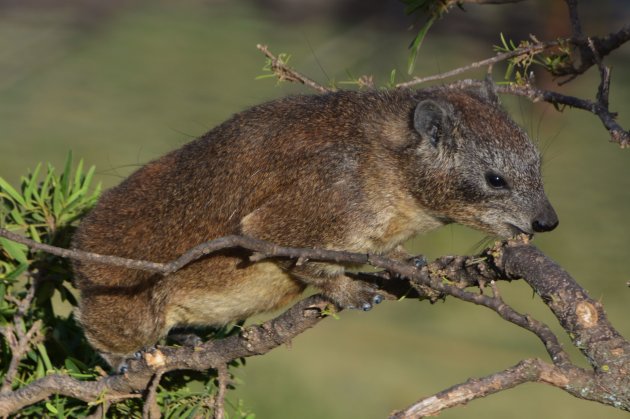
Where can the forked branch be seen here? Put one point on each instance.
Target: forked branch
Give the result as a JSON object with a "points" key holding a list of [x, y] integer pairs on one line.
{"points": [[581, 317]]}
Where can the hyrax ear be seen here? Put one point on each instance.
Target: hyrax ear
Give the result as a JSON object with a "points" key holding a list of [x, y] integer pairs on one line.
{"points": [[429, 120]]}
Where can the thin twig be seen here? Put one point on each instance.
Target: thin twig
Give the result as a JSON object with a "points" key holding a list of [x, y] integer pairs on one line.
{"points": [[151, 410], [528, 50], [82, 255], [19, 342], [604, 75], [284, 72], [433, 276], [603, 46], [529, 370], [219, 400], [617, 133]]}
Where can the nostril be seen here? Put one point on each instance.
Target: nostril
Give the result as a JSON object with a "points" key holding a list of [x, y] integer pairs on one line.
{"points": [[540, 226]]}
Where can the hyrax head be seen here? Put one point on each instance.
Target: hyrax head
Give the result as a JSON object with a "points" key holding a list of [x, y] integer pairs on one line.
{"points": [[476, 167]]}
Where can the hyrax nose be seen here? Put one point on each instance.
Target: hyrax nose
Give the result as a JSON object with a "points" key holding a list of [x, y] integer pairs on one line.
{"points": [[545, 221]]}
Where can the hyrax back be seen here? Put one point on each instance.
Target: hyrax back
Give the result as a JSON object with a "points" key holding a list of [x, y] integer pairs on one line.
{"points": [[358, 171]]}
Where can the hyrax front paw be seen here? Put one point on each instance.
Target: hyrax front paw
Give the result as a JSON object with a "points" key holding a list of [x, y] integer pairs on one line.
{"points": [[353, 294]]}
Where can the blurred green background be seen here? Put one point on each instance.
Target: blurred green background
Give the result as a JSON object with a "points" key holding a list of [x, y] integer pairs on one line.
{"points": [[121, 83]]}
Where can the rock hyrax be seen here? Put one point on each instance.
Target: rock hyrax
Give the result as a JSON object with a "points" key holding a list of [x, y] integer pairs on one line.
{"points": [[357, 171]]}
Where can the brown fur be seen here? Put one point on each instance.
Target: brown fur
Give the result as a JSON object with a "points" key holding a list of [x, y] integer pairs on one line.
{"points": [[357, 171]]}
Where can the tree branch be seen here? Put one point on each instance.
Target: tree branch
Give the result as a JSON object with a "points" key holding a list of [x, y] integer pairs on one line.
{"points": [[601, 46], [608, 118], [253, 340], [151, 409], [85, 256], [580, 316], [466, 271], [529, 370], [18, 341], [527, 50]]}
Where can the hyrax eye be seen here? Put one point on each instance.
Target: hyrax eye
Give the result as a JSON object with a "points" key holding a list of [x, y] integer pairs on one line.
{"points": [[496, 181]]}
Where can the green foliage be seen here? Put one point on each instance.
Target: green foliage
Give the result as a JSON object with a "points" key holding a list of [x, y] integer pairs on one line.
{"points": [[46, 208], [432, 10], [518, 68]]}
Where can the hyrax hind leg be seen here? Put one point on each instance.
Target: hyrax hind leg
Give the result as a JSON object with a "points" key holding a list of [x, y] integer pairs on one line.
{"points": [[117, 323]]}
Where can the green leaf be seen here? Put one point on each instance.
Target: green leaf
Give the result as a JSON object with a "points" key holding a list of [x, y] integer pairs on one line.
{"points": [[12, 193], [31, 184], [52, 409], [33, 232], [417, 43], [70, 365], [392, 78], [78, 174], [67, 295], [57, 202], [65, 176], [40, 372], [87, 180], [190, 413], [17, 217], [44, 356], [16, 251], [44, 194], [21, 268]]}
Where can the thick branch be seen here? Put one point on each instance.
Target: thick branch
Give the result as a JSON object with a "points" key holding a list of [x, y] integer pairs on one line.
{"points": [[582, 317], [602, 46], [253, 340]]}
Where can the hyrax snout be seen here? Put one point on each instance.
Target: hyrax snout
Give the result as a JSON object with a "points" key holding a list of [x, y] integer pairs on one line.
{"points": [[356, 171]]}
